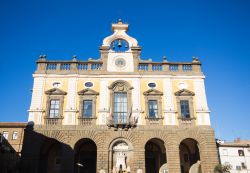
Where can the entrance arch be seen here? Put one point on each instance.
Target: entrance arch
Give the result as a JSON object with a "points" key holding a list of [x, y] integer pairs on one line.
{"points": [[155, 155], [189, 154], [50, 157], [85, 156]]}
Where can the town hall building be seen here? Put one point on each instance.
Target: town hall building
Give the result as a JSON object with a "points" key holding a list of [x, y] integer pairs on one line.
{"points": [[118, 113]]}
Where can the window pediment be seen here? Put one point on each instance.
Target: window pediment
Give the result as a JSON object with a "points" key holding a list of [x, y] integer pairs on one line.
{"points": [[55, 91], [184, 92], [120, 86], [153, 92], [88, 92]]}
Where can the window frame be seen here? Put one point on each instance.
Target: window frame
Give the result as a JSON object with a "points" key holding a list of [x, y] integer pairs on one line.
{"points": [[16, 137], [120, 86], [185, 95], [153, 109], [153, 94], [241, 152], [87, 95], [85, 110], [121, 115], [54, 108], [5, 133], [185, 110], [55, 94]]}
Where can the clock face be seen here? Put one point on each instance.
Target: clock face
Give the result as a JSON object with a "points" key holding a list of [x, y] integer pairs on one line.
{"points": [[120, 62], [119, 45]]}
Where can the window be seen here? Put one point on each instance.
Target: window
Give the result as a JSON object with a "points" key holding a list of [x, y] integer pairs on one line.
{"points": [[243, 165], [87, 108], [185, 106], [238, 168], [14, 135], [152, 108], [241, 152], [185, 113], [54, 108], [120, 107], [5, 134]]}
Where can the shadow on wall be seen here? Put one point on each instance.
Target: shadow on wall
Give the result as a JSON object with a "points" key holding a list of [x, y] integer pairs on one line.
{"points": [[41, 154], [9, 158]]}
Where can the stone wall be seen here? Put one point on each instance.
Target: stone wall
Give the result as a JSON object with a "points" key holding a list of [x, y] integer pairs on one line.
{"points": [[103, 137]]}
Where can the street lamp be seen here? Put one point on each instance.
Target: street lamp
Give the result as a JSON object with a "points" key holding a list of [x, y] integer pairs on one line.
{"points": [[79, 166]]}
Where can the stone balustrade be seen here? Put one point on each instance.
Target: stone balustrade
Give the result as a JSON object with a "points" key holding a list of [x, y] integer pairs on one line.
{"points": [[53, 121], [97, 67], [86, 121]]}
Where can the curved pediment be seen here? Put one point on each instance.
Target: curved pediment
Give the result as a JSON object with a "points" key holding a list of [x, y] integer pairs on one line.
{"points": [[184, 92], [120, 85], [88, 91], [55, 91], [152, 92]]}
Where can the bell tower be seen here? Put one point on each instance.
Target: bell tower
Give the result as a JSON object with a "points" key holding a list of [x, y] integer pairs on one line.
{"points": [[119, 51]]}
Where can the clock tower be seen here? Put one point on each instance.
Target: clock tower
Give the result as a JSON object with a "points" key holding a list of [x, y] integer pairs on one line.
{"points": [[119, 51]]}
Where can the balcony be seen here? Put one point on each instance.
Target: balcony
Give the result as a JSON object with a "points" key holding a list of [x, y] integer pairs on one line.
{"points": [[186, 122], [53, 121], [123, 122], [86, 121]]}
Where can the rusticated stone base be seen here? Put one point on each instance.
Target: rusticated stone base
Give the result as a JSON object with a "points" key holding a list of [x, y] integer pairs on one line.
{"points": [[38, 140]]}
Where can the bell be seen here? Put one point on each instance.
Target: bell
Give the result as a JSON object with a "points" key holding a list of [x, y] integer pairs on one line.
{"points": [[119, 44]]}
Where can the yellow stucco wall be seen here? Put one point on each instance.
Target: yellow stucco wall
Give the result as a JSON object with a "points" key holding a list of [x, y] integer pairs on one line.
{"points": [[96, 81]]}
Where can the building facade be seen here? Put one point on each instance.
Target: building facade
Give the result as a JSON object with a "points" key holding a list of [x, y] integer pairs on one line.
{"points": [[11, 141], [236, 154], [119, 113]]}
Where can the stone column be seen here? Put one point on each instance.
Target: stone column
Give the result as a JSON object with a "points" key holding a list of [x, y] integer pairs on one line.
{"points": [[139, 160], [102, 160], [173, 157], [208, 153]]}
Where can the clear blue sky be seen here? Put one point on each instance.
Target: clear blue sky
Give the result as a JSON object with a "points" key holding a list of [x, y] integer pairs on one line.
{"points": [[218, 32]]}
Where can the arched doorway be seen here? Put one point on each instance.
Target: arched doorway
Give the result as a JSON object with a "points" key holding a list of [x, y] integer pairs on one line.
{"points": [[85, 156], [121, 156], [189, 154], [155, 155], [50, 157]]}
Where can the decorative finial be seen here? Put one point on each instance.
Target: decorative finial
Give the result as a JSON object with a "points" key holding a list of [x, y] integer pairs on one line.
{"points": [[164, 59], [44, 56], [119, 20], [195, 59], [41, 57], [74, 57]]}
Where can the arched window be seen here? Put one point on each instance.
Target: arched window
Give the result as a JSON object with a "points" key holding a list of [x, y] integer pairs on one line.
{"points": [[120, 105]]}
